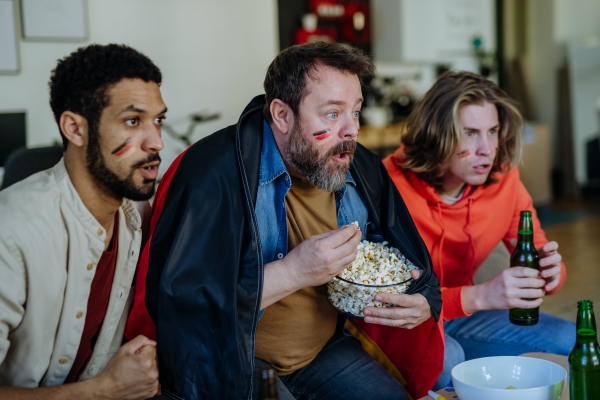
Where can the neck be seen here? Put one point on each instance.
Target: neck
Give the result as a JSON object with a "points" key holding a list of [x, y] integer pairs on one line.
{"points": [[100, 204], [452, 190]]}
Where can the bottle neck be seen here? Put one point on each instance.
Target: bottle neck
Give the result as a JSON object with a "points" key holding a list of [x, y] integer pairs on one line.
{"points": [[525, 234], [586, 326]]}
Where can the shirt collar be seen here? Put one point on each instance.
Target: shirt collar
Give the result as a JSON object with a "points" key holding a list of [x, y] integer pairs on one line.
{"points": [[271, 163]]}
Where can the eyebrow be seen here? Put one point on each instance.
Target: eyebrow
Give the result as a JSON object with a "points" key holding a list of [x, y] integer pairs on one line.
{"points": [[340, 102], [139, 110], [477, 130], [131, 107]]}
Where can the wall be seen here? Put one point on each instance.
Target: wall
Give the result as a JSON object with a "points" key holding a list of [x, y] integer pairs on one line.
{"points": [[213, 55], [574, 20]]}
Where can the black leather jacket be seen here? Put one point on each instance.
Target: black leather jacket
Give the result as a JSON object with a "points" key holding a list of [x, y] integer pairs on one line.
{"points": [[205, 276]]}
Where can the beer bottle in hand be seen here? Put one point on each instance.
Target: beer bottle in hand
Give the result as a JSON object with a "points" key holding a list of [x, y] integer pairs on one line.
{"points": [[525, 255], [584, 360], [267, 387]]}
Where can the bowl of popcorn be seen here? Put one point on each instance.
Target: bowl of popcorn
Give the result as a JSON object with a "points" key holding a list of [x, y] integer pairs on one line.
{"points": [[378, 268]]}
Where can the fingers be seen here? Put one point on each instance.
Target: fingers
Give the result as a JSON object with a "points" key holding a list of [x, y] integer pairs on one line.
{"points": [[397, 323], [520, 303], [348, 247], [550, 272], [134, 346], [550, 246], [527, 293], [553, 259], [415, 273], [553, 283], [522, 272], [341, 236]]}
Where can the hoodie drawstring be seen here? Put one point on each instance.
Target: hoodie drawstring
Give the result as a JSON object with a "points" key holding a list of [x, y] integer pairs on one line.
{"points": [[440, 266], [466, 230]]}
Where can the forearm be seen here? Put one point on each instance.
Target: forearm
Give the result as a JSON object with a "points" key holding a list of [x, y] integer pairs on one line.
{"points": [[473, 299], [85, 390], [277, 283]]}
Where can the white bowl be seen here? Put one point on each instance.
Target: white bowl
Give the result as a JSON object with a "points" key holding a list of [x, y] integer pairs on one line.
{"points": [[487, 379]]}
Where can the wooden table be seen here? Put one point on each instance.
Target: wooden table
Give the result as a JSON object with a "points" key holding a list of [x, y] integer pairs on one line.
{"points": [[450, 394]]}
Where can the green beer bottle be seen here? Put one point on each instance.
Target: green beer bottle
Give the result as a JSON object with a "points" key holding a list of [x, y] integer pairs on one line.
{"points": [[525, 255], [584, 360]]}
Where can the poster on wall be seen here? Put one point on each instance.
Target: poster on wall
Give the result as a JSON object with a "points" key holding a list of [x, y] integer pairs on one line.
{"points": [[9, 53], [56, 20]]}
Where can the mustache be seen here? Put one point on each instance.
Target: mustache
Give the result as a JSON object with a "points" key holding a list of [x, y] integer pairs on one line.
{"points": [[347, 146], [152, 157]]}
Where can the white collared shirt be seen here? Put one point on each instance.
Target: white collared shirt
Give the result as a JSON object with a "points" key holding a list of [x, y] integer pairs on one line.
{"points": [[50, 245]]}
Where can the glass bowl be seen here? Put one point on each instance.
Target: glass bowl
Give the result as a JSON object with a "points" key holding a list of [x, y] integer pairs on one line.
{"points": [[351, 298]]}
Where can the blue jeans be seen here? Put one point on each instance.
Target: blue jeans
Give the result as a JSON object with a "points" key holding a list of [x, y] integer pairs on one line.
{"points": [[342, 370], [489, 333]]}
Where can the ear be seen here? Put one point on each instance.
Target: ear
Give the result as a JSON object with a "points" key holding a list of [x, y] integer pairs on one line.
{"points": [[283, 117], [75, 128]]}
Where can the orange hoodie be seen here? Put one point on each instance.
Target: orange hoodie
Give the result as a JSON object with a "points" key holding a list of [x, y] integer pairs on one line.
{"points": [[461, 236]]}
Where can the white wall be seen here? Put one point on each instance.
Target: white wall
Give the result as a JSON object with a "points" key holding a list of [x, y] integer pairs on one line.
{"points": [[213, 55], [575, 20]]}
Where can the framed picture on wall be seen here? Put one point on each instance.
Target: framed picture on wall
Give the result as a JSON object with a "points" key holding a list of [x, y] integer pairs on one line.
{"points": [[56, 20], [9, 47]]}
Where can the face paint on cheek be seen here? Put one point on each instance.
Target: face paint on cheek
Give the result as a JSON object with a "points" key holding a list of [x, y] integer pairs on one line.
{"points": [[322, 137], [462, 156], [124, 150]]}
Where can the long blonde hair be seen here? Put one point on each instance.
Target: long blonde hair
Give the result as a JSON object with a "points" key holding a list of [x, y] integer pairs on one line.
{"points": [[434, 128]]}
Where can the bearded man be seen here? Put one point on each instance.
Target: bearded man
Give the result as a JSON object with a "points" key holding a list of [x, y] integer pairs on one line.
{"points": [[252, 222], [71, 237]]}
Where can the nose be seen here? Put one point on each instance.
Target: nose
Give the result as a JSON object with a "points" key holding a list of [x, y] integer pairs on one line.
{"points": [[484, 147], [349, 128], [153, 142]]}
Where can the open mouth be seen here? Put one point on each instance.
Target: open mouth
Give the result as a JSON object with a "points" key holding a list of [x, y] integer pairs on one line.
{"points": [[342, 157], [483, 168], [149, 170]]}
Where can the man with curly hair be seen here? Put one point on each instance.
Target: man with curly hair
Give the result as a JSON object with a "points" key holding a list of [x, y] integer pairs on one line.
{"points": [[71, 236]]}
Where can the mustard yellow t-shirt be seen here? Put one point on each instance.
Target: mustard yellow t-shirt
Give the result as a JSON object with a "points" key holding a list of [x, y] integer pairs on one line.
{"points": [[292, 331]]}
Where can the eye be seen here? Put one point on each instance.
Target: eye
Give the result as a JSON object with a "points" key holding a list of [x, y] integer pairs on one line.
{"points": [[132, 122], [469, 133], [492, 132], [332, 114], [356, 114], [159, 120]]}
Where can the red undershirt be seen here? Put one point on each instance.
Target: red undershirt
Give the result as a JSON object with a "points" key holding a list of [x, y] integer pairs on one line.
{"points": [[97, 303]]}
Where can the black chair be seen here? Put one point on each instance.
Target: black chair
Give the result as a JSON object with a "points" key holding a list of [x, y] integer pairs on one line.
{"points": [[24, 162]]}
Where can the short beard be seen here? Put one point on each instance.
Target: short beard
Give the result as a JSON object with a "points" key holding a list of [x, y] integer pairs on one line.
{"points": [[303, 157], [110, 182]]}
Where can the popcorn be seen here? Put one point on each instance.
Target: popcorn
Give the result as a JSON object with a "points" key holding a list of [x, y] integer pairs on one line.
{"points": [[375, 264]]}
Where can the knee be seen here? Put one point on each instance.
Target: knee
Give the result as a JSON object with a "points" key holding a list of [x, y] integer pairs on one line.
{"points": [[454, 354]]}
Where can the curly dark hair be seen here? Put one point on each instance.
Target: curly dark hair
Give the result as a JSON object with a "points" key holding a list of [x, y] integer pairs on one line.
{"points": [[80, 80], [286, 76]]}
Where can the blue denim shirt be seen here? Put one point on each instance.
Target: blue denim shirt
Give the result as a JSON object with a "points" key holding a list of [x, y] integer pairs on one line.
{"points": [[273, 185]]}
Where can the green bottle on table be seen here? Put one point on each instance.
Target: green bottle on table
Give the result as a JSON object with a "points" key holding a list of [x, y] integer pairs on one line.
{"points": [[584, 360], [525, 255]]}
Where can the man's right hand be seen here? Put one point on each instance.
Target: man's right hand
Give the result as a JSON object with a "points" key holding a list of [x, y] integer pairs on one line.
{"points": [[313, 262], [319, 258], [132, 373], [506, 290]]}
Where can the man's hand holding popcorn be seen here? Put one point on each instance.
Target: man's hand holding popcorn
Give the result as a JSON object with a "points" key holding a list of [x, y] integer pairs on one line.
{"points": [[312, 263], [411, 309]]}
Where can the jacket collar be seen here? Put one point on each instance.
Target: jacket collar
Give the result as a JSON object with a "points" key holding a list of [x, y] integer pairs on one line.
{"points": [[72, 198]]}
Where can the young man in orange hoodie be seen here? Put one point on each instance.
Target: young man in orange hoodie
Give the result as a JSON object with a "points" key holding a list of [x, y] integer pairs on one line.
{"points": [[456, 171]]}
